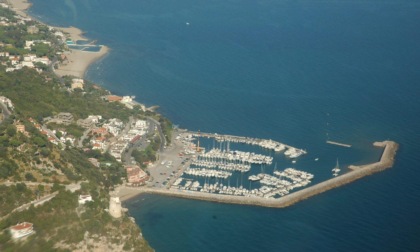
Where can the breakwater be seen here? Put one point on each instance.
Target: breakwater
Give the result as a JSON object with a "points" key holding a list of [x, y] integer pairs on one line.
{"points": [[339, 144], [357, 172]]}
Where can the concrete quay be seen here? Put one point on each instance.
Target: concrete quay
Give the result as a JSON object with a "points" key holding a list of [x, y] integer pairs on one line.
{"points": [[386, 161]]}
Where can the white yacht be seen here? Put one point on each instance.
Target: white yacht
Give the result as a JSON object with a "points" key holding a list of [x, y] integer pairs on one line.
{"points": [[336, 169], [254, 178]]}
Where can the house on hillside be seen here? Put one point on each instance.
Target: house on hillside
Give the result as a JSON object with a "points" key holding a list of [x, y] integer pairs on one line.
{"points": [[77, 83], [84, 198], [21, 230], [32, 29], [135, 175], [114, 98], [94, 161], [63, 118]]}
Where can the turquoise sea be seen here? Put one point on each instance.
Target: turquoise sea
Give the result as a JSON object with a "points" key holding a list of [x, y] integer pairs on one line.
{"points": [[293, 71]]}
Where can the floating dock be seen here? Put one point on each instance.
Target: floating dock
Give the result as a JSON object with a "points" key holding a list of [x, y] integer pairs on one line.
{"points": [[339, 144]]}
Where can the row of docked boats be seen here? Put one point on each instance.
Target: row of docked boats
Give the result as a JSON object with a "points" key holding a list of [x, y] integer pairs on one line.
{"points": [[219, 188], [294, 153], [188, 185], [264, 143], [272, 145], [286, 180], [241, 156], [224, 165], [209, 173], [271, 186], [294, 174]]}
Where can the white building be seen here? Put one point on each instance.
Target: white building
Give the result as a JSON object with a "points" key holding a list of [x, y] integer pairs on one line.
{"points": [[141, 124], [44, 60], [29, 57], [77, 83], [114, 126], [14, 60], [59, 34], [84, 198], [27, 64]]}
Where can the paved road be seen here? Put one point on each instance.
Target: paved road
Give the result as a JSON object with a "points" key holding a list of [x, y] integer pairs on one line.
{"points": [[71, 187], [83, 137], [161, 135], [141, 144], [25, 206]]}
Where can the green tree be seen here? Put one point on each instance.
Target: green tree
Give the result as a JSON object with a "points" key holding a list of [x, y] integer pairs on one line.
{"points": [[29, 176], [41, 66], [40, 141], [56, 187], [21, 187], [45, 152], [11, 130], [15, 142], [40, 49]]}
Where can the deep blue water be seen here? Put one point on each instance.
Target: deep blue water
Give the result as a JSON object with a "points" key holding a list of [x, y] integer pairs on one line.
{"points": [[291, 71]]}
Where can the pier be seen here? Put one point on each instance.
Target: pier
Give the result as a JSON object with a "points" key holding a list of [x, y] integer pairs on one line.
{"points": [[386, 161], [239, 139], [290, 151], [339, 144]]}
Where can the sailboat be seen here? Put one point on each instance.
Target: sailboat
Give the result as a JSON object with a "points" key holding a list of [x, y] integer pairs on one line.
{"points": [[336, 169]]}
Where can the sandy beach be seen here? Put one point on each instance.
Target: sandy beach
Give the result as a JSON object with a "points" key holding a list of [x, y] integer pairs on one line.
{"points": [[19, 6], [77, 62]]}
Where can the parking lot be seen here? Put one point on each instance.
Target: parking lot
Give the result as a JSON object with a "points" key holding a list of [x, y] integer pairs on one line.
{"points": [[169, 166]]}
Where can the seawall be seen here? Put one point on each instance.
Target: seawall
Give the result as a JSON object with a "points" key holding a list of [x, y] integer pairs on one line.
{"points": [[386, 161]]}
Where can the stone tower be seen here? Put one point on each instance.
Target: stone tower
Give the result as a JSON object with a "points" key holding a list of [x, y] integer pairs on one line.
{"points": [[115, 207]]}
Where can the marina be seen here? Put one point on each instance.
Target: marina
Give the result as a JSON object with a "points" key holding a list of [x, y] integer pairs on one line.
{"points": [[221, 174], [230, 162]]}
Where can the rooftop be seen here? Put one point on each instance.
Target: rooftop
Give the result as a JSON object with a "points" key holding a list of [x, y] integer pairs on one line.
{"points": [[22, 226]]}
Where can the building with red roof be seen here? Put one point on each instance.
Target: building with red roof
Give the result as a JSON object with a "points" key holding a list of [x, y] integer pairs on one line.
{"points": [[21, 230], [135, 175]]}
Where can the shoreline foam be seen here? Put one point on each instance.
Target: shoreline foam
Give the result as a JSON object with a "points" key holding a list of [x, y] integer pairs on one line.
{"points": [[77, 62], [386, 161]]}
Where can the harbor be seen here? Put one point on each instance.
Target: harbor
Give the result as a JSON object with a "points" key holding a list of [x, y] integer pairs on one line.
{"points": [[223, 174]]}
